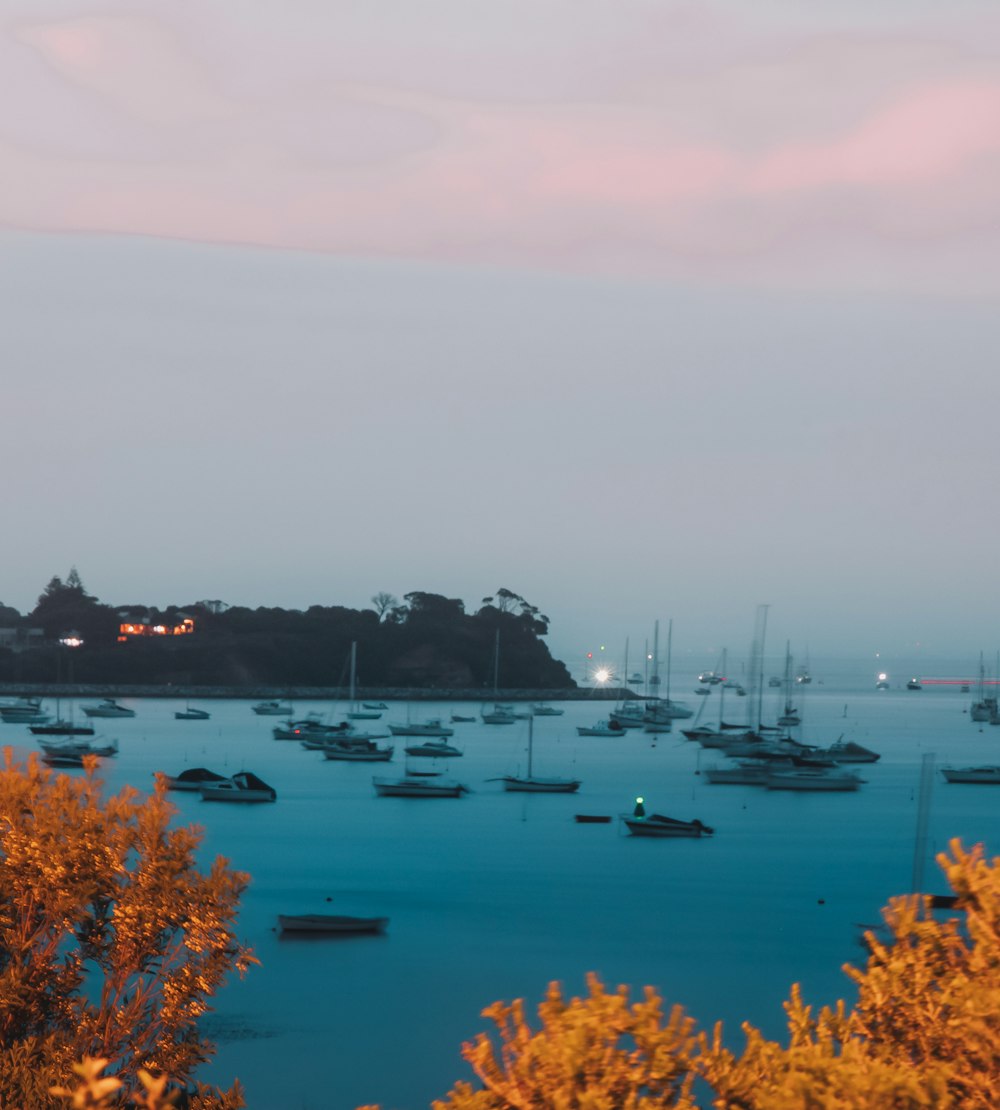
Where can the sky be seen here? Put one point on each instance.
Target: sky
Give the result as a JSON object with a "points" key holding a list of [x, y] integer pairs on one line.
{"points": [[643, 310]]}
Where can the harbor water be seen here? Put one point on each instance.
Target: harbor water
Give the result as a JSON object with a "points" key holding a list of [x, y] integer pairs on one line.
{"points": [[492, 895]]}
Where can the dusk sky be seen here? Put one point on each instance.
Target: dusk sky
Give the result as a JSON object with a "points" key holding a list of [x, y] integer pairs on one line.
{"points": [[640, 309]]}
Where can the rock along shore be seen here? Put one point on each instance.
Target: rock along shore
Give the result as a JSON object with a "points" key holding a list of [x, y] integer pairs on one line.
{"points": [[304, 693]]}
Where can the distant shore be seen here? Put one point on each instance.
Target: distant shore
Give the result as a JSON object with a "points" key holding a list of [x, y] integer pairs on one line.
{"points": [[303, 693]]}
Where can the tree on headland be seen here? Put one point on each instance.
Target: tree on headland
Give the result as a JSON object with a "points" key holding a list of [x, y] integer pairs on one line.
{"points": [[383, 602], [924, 1032], [111, 941]]}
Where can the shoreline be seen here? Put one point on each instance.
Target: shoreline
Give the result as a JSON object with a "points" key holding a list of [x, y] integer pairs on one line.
{"points": [[305, 693]]}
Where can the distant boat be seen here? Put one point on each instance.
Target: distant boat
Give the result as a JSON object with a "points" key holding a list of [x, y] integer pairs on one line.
{"points": [[374, 705], [365, 752], [272, 709], [244, 786], [189, 714], [659, 826], [61, 728], [191, 780], [456, 719], [539, 709], [79, 747], [23, 711], [108, 708], [433, 747], [813, 779], [414, 786], [431, 727], [499, 714], [602, 728], [914, 684], [532, 783], [331, 923], [591, 819], [983, 776]]}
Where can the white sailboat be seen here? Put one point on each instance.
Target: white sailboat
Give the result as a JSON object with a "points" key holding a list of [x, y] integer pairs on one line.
{"points": [[790, 716], [662, 711], [534, 784], [499, 714], [356, 712]]}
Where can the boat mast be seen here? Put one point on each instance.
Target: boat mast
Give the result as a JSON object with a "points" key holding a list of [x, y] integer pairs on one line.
{"points": [[496, 666], [670, 641], [354, 664], [531, 741], [654, 680]]}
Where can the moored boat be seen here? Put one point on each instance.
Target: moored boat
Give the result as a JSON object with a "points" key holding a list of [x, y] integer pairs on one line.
{"points": [[431, 727], [365, 752], [984, 776], [190, 714], [341, 924], [659, 826], [192, 779], [272, 709], [418, 786], [434, 747], [108, 708]]}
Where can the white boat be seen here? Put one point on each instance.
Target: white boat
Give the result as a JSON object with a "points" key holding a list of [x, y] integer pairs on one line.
{"points": [[602, 728], [272, 709], [987, 775], [532, 783], [813, 779], [431, 727], [340, 924], [357, 711], [24, 711], [242, 787], [433, 747], [374, 705], [659, 826], [789, 717], [499, 715], [542, 710], [630, 714], [418, 786], [108, 708], [78, 747], [192, 779]]}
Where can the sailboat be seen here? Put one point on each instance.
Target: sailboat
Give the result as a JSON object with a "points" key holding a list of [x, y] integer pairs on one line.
{"points": [[984, 708], [61, 727], [356, 712], [627, 714], [499, 714], [532, 783], [789, 717], [661, 711]]}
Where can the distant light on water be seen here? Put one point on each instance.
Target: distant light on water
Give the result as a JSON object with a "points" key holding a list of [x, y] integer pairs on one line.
{"points": [[602, 674]]}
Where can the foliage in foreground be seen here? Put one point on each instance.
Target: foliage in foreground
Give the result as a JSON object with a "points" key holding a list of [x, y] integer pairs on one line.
{"points": [[924, 1033], [111, 941]]}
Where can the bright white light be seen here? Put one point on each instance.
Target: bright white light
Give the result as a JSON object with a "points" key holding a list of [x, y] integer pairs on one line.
{"points": [[882, 676], [602, 675]]}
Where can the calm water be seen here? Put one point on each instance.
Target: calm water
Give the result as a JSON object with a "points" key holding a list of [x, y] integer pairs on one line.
{"points": [[493, 895]]}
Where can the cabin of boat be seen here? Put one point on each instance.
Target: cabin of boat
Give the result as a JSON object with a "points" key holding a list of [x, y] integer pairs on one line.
{"points": [[986, 776], [433, 748], [244, 786]]}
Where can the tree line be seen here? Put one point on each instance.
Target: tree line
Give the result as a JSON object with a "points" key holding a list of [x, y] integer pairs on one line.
{"points": [[424, 641]]}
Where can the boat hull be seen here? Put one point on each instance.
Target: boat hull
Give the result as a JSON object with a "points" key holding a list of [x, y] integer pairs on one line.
{"points": [[327, 923], [417, 788], [515, 785], [653, 827]]}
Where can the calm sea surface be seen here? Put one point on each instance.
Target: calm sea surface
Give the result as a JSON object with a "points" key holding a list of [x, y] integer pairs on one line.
{"points": [[493, 895]]}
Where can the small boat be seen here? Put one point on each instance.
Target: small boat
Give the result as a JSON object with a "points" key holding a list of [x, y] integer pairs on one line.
{"points": [[499, 715], [846, 751], [23, 711], [190, 714], [914, 684], [591, 819], [457, 720], [366, 752], [432, 747], [272, 709], [813, 779], [629, 715], [417, 786], [62, 759], [541, 710], [702, 691], [602, 728], [61, 728], [374, 705], [533, 784], [658, 825], [244, 786], [710, 678], [330, 923], [191, 780], [743, 774], [79, 747], [108, 708], [364, 714], [431, 727], [987, 775]]}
